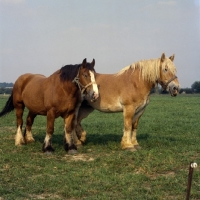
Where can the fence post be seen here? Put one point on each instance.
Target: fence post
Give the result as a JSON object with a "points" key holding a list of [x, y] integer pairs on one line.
{"points": [[191, 167]]}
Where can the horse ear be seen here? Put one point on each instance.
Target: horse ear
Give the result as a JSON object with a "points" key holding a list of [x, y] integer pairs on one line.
{"points": [[172, 57], [93, 62], [84, 62], [163, 57]]}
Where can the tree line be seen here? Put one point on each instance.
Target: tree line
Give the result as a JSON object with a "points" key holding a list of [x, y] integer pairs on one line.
{"points": [[6, 88]]}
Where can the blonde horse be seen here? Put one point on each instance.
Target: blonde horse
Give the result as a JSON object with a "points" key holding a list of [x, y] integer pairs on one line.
{"points": [[129, 91]]}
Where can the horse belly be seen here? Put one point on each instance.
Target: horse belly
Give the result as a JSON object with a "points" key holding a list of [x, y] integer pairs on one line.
{"points": [[103, 106], [34, 101], [36, 106]]}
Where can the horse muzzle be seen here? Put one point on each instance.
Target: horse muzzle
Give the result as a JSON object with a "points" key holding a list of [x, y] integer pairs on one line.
{"points": [[173, 89], [91, 95], [95, 96]]}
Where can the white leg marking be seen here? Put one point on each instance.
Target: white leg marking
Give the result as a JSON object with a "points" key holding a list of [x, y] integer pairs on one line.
{"points": [[19, 139], [134, 139], [47, 140], [29, 137], [126, 140], [67, 136]]}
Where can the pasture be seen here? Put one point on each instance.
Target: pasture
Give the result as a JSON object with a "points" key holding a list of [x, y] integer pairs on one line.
{"points": [[168, 132]]}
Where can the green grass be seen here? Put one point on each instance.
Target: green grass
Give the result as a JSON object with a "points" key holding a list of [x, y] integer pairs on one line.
{"points": [[168, 132]]}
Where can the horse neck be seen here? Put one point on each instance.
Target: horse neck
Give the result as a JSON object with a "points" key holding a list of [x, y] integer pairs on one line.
{"points": [[144, 85]]}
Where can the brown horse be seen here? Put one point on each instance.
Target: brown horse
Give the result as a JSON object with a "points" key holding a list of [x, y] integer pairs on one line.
{"points": [[129, 91], [57, 95]]}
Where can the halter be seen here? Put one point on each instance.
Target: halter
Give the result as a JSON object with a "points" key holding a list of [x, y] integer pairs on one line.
{"points": [[82, 88], [164, 85]]}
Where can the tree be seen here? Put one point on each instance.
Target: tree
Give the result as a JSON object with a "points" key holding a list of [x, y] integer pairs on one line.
{"points": [[196, 86]]}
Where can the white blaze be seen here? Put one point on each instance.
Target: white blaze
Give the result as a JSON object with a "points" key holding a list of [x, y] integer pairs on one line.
{"points": [[94, 85]]}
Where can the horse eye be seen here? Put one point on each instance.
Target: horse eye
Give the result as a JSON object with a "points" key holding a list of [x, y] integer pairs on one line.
{"points": [[85, 75], [166, 69]]}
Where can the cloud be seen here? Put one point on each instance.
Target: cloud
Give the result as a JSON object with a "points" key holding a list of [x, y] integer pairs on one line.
{"points": [[168, 3]]}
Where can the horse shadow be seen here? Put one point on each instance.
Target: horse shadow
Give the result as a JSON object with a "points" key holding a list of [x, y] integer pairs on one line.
{"points": [[92, 138], [57, 138], [105, 138]]}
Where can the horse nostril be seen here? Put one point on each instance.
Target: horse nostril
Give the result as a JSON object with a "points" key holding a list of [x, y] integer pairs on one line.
{"points": [[175, 88]]}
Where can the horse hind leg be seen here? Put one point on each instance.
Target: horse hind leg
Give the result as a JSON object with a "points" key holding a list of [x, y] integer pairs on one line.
{"points": [[83, 112], [81, 134], [19, 139], [27, 132]]}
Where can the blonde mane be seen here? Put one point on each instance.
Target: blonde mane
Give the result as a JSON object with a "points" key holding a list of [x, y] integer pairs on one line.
{"points": [[149, 69]]}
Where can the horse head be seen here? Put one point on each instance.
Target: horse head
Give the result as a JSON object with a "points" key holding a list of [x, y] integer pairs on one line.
{"points": [[168, 79], [86, 80]]}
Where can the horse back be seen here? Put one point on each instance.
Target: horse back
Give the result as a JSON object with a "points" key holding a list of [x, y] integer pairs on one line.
{"points": [[27, 82]]}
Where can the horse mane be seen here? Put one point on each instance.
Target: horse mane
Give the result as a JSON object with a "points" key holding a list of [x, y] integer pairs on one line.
{"points": [[69, 72], [149, 69]]}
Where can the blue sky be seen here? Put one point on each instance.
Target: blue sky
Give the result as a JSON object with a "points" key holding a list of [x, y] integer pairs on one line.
{"points": [[40, 36]]}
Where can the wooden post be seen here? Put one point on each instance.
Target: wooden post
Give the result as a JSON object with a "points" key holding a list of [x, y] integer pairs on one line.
{"points": [[191, 167]]}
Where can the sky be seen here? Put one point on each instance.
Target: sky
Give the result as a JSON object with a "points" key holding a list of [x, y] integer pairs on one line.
{"points": [[41, 36]]}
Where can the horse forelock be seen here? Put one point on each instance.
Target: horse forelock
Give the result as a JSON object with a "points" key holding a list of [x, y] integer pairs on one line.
{"points": [[149, 69], [90, 67]]}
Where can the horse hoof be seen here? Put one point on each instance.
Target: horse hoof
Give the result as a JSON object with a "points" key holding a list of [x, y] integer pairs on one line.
{"points": [[20, 142], [28, 141], [72, 151], [79, 143], [47, 149], [132, 149], [137, 147], [79, 146]]}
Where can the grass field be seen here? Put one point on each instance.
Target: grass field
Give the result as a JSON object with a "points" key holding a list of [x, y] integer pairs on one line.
{"points": [[168, 132]]}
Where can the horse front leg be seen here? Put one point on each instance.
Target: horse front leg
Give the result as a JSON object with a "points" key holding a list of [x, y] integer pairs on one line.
{"points": [[134, 134], [135, 125], [47, 145], [70, 138], [19, 139], [27, 132], [126, 142]]}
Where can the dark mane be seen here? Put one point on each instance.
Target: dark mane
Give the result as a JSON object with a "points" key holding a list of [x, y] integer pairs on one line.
{"points": [[69, 72]]}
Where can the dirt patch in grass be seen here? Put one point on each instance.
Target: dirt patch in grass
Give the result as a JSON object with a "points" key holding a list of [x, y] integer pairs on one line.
{"points": [[79, 157], [166, 175], [45, 196]]}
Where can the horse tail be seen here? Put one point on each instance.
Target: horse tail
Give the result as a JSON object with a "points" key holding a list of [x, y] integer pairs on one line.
{"points": [[8, 107]]}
